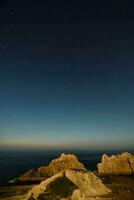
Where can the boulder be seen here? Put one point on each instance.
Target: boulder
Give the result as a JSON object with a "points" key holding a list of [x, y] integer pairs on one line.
{"points": [[64, 162], [88, 183], [130, 158], [46, 189], [122, 164], [71, 185]]}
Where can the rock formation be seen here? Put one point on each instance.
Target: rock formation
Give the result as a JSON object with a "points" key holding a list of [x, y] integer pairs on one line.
{"points": [[88, 184], [122, 164], [69, 185], [62, 163]]}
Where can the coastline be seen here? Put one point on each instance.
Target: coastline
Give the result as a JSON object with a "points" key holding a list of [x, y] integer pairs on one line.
{"points": [[16, 162], [122, 186]]}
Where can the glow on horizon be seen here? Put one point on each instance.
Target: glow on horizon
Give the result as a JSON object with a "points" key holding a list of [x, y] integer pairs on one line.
{"points": [[42, 144], [77, 90]]}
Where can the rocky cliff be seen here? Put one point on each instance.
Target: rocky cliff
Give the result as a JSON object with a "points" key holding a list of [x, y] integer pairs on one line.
{"points": [[122, 164], [64, 162], [69, 185]]}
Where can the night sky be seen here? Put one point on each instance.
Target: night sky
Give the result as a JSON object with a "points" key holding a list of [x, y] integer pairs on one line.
{"points": [[66, 74]]}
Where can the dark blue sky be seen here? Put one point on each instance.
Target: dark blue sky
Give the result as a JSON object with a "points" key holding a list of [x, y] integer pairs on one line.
{"points": [[66, 74]]}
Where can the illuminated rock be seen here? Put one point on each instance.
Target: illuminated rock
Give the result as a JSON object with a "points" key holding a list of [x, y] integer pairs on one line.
{"points": [[122, 164], [64, 162], [69, 185]]}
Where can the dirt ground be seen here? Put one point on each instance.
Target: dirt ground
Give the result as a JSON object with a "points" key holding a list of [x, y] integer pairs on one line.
{"points": [[122, 189], [13, 192], [122, 186]]}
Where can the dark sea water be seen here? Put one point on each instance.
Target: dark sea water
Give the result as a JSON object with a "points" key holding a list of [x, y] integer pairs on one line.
{"points": [[13, 163]]}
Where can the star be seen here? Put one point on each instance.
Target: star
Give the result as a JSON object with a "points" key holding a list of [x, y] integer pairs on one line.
{"points": [[12, 13], [41, 17], [65, 29], [46, 17], [44, 45], [4, 47], [12, 26]]}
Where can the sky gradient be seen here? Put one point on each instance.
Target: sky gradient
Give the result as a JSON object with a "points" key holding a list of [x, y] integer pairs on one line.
{"points": [[66, 75]]}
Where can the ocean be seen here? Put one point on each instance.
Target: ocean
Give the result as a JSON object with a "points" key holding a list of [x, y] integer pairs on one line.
{"points": [[14, 163]]}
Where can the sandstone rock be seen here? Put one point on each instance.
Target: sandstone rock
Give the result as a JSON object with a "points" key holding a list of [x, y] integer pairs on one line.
{"points": [[36, 191], [122, 164], [55, 187], [89, 185], [31, 175], [68, 161], [69, 184], [76, 195], [130, 158]]}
